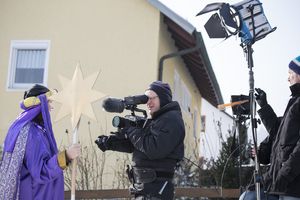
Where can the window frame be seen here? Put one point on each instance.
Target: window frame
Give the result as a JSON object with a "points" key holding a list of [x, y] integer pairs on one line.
{"points": [[26, 44]]}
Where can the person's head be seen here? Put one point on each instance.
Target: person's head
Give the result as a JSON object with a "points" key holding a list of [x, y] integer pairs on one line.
{"points": [[294, 71], [159, 95], [35, 91], [36, 104]]}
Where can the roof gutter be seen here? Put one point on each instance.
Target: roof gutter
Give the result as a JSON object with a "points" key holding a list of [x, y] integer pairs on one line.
{"points": [[175, 54]]}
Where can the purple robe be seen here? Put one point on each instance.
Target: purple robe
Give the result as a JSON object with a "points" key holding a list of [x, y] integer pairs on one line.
{"points": [[32, 169], [41, 176]]}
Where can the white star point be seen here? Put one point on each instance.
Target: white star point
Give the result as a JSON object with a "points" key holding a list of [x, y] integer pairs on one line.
{"points": [[77, 96]]}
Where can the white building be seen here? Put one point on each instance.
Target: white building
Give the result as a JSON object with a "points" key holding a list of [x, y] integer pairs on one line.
{"points": [[216, 126]]}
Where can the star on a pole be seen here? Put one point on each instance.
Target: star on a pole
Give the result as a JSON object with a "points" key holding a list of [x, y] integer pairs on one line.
{"points": [[77, 96]]}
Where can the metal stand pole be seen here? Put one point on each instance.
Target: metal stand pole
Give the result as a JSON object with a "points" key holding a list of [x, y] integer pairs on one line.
{"points": [[249, 51], [238, 131]]}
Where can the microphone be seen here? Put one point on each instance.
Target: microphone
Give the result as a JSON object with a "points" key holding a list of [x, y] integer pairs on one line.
{"points": [[113, 105], [235, 103], [118, 105]]}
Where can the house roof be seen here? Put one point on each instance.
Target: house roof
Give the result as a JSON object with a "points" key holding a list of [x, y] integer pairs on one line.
{"points": [[197, 62]]}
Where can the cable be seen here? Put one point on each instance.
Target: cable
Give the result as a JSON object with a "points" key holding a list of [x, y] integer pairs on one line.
{"points": [[224, 168], [226, 165], [189, 160]]}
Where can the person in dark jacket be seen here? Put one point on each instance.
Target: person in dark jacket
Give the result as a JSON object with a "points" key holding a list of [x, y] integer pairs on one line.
{"points": [[156, 147], [282, 148]]}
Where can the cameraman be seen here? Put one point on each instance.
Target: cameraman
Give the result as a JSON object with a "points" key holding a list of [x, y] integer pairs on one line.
{"points": [[157, 146]]}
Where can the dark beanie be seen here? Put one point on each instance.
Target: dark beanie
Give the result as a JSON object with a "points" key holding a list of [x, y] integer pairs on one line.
{"points": [[163, 91], [35, 91], [295, 65]]}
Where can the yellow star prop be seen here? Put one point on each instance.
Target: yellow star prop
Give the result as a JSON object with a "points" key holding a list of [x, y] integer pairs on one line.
{"points": [[77, 96]]}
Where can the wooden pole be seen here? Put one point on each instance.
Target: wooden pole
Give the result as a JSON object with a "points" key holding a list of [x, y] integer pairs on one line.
{"points": [[74, 164]]}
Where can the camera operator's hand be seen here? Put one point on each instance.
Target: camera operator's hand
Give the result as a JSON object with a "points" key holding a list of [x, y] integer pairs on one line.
{"points": [[261, 97], [103, 142]]}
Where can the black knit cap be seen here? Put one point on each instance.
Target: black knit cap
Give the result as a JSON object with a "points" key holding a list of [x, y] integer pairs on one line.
{"points": [[163, 91], [36, 90]]}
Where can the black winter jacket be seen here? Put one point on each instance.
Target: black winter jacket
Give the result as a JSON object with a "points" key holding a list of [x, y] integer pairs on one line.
{"points": [[160, 144], [283, 176]]}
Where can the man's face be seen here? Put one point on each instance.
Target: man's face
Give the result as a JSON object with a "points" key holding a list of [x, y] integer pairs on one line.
{"points": [[153, 103], [293, 77]]}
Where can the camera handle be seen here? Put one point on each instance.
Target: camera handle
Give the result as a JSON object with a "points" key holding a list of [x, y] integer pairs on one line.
{"points": [[133, 109]]}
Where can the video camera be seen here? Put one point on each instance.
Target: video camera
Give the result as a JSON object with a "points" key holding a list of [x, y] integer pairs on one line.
{"points": [[128, 103], [122, 123]]}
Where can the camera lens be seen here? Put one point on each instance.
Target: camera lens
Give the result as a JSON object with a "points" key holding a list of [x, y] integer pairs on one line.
{"points": [[116, 121]]}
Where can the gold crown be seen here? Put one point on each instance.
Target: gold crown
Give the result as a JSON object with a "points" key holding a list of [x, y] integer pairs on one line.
{"points": [[34, 101]]}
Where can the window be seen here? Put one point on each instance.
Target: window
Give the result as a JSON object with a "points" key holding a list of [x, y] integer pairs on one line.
{"points": [[28, 63], [181, 93]]}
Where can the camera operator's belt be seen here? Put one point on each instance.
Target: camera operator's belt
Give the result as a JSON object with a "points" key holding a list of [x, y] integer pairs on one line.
{"points": [[147, 175], [161, 174]]}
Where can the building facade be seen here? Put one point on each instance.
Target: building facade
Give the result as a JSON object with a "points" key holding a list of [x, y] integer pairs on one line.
{"points": [[131, 43]]}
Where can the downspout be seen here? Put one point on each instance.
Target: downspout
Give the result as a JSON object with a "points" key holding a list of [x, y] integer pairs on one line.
{"points": [[175, 54]]}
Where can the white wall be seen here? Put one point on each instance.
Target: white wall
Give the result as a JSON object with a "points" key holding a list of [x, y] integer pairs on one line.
{"points": [[217, 127]]}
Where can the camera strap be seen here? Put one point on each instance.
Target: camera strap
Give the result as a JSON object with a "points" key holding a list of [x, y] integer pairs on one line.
{"points": [[145, 123]]}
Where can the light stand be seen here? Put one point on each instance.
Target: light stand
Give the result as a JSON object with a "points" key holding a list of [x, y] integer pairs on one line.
{"points": [[246, 19], [248, 50], [241, 110]]}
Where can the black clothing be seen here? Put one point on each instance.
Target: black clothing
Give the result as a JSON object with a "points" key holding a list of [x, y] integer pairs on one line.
{"points": [[159, 145], [264, 151], [156, 190], [283, 176]]}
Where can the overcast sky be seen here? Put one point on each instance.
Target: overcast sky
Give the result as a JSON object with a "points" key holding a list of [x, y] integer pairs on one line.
{"points": [[271, 55]]}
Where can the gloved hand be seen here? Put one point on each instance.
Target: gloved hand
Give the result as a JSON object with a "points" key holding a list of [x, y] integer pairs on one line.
{"points": [[103, 142], [261, 97]]}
